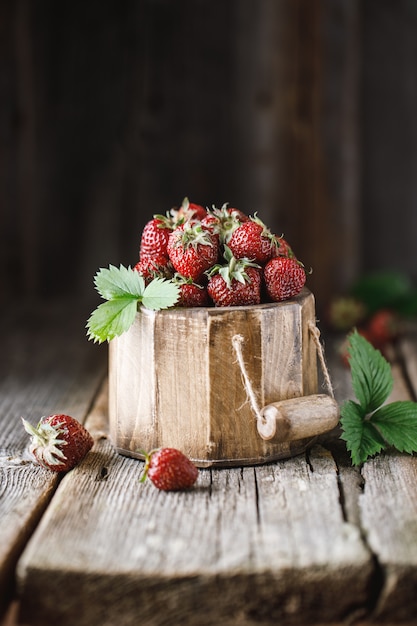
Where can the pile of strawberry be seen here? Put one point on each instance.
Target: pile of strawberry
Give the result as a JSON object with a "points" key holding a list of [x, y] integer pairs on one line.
{"points": [[219, 257]]}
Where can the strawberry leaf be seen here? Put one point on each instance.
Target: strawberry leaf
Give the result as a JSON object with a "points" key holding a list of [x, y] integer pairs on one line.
{"points": [[124, 289], [160, 294], [397, 423], [372, 379], [112, 318], [119, 282], [361, 436], [370, 425]]}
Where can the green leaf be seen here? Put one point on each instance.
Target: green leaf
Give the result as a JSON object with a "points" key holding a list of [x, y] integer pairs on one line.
{"points": [[124, 288], [397, 423], [119, 282], [160, 294], [372, 379], [382, 289], [361, 436], [112, 318]]}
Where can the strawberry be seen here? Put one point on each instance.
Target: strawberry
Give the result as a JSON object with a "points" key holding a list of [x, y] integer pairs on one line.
{"points": [[283, 248], [253, 240], [383, 327], [191, 293], [155, 236], [59, 442], [284, 278], [224, 221], [192, 249], [169, 469], [188, 211], [152, 266], [236, 284]]}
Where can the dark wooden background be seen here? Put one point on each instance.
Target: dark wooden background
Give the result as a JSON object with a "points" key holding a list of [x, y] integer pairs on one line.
{"points": [[302, 110]]}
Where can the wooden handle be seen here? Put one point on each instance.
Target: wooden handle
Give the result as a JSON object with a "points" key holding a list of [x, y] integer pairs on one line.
{"points": [[297, 418]]}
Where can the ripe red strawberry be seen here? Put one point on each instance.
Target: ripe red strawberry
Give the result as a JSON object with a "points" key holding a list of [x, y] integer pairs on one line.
{"points": [[283, 248], [236, 284], [157, 265], [383, 327], [188, 211], [191, 293], [169, 469], [59, 442], [253, 240], [284, 278], [192, 249], [155, 236], [224, 221]]}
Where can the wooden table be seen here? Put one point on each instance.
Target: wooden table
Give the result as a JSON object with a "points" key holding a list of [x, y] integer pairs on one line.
{"points": [[309, 540]]}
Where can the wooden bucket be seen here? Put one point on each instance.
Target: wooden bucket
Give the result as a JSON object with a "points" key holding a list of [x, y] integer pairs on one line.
{"points": [[175, 380]]}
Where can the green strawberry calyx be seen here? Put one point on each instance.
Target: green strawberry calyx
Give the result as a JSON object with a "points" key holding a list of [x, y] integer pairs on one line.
{"points": [[234, 269], [228, 222], [194, 235]]}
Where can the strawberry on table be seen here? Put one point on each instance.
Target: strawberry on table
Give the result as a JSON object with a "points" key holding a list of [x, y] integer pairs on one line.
{"points": [[284, 278], [59, 442], [384, 326], [253, 240], [169, 469], [192, 249], [237, 283]]}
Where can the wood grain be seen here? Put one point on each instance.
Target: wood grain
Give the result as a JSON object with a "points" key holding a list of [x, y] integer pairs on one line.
{"points": [[235, 549], [175, 379], [43, 370], [308, 540], [297, 418]]}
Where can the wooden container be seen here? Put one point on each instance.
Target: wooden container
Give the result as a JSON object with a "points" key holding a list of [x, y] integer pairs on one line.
{"points": [[174, 379]]}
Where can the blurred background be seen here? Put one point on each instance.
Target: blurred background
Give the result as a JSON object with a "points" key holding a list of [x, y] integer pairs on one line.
{"points": [[302, 110]]}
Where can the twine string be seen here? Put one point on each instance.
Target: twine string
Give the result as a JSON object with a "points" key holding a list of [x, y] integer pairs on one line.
{"points": [[320, 351], [237, 342]]}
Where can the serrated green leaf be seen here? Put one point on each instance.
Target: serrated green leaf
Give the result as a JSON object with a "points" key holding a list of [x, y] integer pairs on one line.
{"points": [[361, 436], [111, 318], [372, 379], [119, 282], [160, 294], [397, 423]]}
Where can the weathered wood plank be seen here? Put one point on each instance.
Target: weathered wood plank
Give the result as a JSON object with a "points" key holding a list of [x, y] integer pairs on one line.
{"points": [[381, 498], [388, 508], [233, 550], [44, 369], [389, 519]]}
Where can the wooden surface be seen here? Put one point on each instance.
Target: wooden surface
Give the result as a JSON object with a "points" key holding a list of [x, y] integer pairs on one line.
{"points": [[308, 540]]}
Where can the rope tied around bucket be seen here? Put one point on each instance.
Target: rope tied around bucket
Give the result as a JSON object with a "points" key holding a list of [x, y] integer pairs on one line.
{"points": [[238, 341], [320, 351]]}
